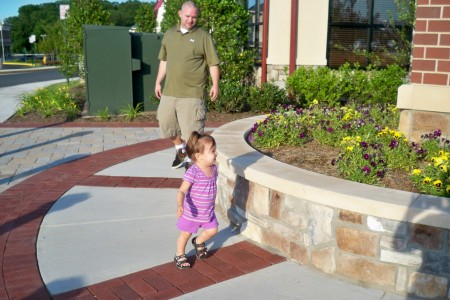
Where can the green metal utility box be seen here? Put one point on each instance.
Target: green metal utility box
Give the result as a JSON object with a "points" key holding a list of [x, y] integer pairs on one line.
{"points": [[121, 68], [145, 48]]}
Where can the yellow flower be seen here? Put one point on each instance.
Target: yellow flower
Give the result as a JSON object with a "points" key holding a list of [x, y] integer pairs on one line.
{"points": [[426, 180], [349, 148], [437, 183], [346, 139], [437, 161], [416, 172], [315, 101], [443, 168], [441, 153], [448, 189]]}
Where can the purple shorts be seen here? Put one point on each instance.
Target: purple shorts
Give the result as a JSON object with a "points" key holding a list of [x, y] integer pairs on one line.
{"points": [[192, 227]]}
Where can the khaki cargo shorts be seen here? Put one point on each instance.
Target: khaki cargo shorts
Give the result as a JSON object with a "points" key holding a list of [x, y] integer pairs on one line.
{"points": [[180, 116]]}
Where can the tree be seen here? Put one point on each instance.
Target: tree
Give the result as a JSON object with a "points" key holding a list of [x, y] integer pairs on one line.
{"points": [[82, 12], [32, 19], [124, 14], [145, 18], [51, 41], [227, 21]]}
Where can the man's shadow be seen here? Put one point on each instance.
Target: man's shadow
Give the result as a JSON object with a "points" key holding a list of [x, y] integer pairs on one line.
{"points": [[428, 247]]}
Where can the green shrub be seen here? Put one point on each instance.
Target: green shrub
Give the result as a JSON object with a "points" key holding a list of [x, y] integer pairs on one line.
{"points": [[307, 84], [331, 87], [384, 84], [266, 98], [232, 98]]}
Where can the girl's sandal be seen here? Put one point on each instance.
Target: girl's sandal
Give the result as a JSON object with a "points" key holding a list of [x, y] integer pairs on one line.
{"points": [[200, 249], [182, 262]]}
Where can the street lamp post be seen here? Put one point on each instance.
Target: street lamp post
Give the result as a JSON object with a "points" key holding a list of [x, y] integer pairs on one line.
{"points": [[3, 47]]}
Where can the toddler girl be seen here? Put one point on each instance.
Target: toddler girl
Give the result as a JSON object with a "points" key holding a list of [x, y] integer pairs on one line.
{"points": [[196, 198]]}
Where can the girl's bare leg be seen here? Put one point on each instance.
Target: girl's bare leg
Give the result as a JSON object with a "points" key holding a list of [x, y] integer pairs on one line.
{"points": [[182, 240], [206, 235]]}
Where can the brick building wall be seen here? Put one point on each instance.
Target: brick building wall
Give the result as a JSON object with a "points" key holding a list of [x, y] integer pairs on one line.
{"points": [[425, 102], [431, 54]]}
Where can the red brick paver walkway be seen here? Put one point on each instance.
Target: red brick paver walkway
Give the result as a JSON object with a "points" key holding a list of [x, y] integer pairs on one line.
{"points": [[23, 206]]}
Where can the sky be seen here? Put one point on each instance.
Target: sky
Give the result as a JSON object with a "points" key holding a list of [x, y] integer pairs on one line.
{"points": [[10, 8]]}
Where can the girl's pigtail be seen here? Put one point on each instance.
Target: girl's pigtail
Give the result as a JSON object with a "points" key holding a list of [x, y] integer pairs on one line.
{"points": [[190, 146]]}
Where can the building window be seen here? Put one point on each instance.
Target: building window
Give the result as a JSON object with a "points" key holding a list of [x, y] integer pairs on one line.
{"points": [[364, 26], [255, 24]]}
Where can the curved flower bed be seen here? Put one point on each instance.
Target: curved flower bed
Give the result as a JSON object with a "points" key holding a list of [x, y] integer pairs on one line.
{"points": [[391, 239], [370, 149]]}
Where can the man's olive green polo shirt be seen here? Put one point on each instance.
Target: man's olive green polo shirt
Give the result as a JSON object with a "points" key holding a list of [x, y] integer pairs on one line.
{"points": [[188, 57]]}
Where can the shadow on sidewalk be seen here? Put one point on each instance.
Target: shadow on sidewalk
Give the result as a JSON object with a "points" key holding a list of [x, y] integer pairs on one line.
{"points": [[74, 135], [18, 176], [16, 220]]}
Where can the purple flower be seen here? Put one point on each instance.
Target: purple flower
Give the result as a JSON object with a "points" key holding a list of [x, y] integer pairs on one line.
{"points": [[333, 162], [260, 133], [302, 135], [366, 156], [363, 144], [437, 133], [393, 144], [380, 174], [373, 164], [366, 169], [251, 139], [330, 129]]}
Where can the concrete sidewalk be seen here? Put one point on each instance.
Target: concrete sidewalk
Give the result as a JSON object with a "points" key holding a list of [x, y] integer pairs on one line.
{"points": [[97, 217]]}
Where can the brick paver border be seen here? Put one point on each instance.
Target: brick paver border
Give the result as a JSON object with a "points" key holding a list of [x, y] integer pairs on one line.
{"points": [[23, 206]]}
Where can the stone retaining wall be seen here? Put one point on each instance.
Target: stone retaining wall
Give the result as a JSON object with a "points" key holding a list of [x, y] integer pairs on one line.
{"points": [[393, 240]]}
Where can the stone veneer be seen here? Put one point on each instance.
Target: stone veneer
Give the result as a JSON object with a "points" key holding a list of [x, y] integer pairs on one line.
{"points": [[390, 239], [275, 73]]}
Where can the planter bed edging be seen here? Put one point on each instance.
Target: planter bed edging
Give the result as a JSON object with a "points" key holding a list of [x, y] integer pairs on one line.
{"points": [[402, 239]]}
